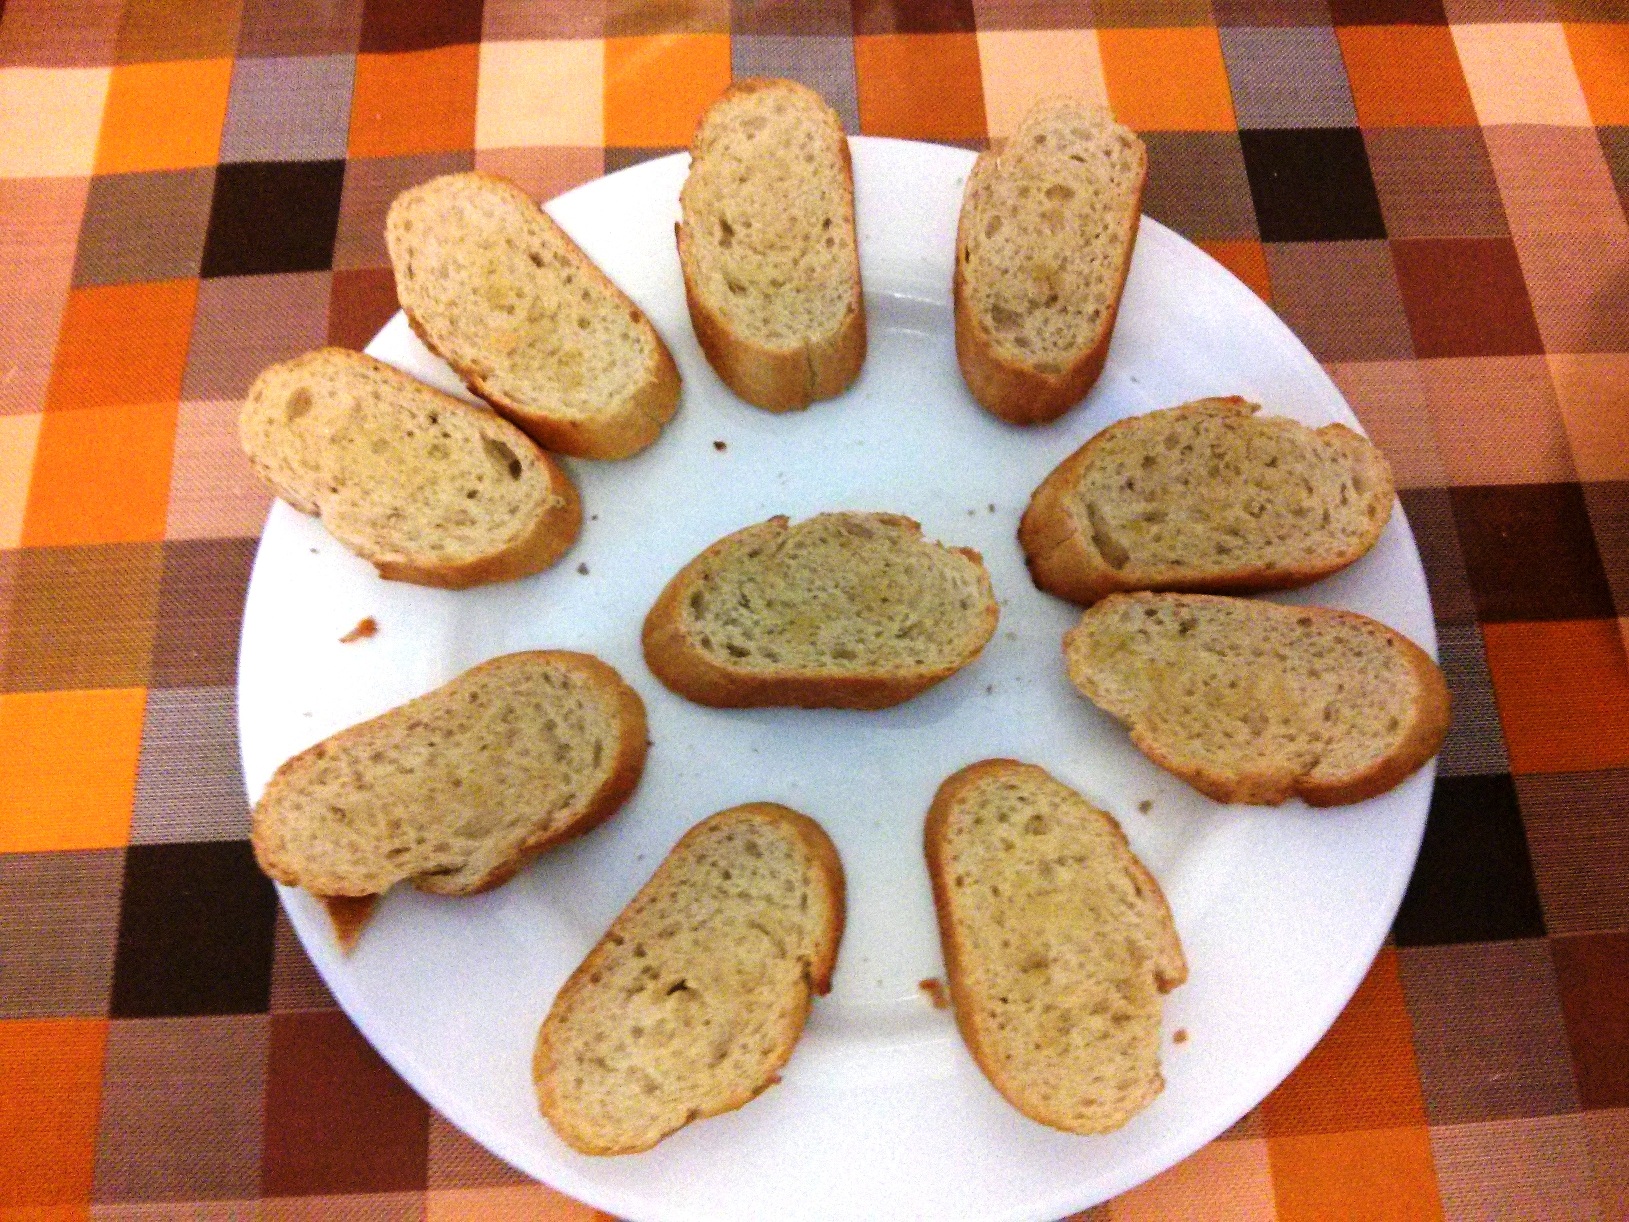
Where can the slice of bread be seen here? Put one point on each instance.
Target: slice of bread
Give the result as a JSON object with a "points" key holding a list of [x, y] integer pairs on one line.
{"points": [[1043, 247], [1208, 496], [496, 289], [458, 789], [767, 243], [425, 487], [1058, 944], [696, 995], [843, 610], [1256, 702]]}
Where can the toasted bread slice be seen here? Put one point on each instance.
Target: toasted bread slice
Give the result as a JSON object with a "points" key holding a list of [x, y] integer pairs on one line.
{"points": [[1206, 497], [496, 289], [457, 789], [1043, 248], [767, 243], [1255, 702], [843, 610], [425, 487], [696, 995], [1058, 944]]}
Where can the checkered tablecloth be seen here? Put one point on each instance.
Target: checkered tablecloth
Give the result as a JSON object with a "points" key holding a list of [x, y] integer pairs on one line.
{"points": [[1431, 192]]}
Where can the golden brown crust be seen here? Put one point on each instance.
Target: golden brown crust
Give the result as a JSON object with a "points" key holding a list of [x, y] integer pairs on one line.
{"points": [[1423, 739], [1062, 559], [351, 913], [778, 380], [633, 428], [828, 873], [1006, 388], [696, 676], [964, 1002]]}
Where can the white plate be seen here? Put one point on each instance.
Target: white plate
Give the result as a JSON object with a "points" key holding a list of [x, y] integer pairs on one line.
{"points": [[881, 1113]]}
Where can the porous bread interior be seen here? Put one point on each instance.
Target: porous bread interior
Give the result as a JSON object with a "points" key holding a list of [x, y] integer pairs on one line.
{"points": [[837, 593], [1202, 490], [392, 467], [769, 221], [1248, 687], [1063, 948], [1044, 252], [699, 988], [502, 293], [446, 788]]}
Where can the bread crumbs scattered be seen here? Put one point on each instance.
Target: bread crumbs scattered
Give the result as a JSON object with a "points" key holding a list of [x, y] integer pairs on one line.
{"points": [[364, 628], [1180, 1036], [1145, 806], [720, 445], [583, 569], [935, 989], [991, 506]]}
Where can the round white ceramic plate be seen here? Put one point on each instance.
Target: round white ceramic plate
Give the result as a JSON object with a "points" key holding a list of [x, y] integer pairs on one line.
{"points": [[881, 1113]]}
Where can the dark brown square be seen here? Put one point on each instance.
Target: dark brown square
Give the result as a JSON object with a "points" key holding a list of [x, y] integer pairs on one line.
{"points": [[1578, 828], [299, 27], [158, 30], [1431, 518], [1465, 297], [1387, 12], [667, 17], [1488, 1032], [82, 617], [772, 17], [1615, 148], [1270, 12], [1476, 739], [244, 323], [361, 301], [59, 933], [181, 1109], [1530, 553], [410, 25], [338, 1119], [1487, 12], [1150, 14], [144, 226], [1197, 185], [58, 33], [190, 783], [273, 216], [1608, 505], [1592, 971], [370, 184], [519, 20], [1032, 14], [200, 611], [1435, 182], [1341, 298], [914, 17]]}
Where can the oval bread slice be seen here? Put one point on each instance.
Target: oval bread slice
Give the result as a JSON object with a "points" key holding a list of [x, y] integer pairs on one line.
{"points": [[496, 289], [1256, 702], [696, 995], [1208, 496], [768, 248], [459, 788], [1043, 247], [843, 610], [427, 488], [1058, 944]]}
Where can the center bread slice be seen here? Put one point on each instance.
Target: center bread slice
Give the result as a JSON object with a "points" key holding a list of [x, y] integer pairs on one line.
{"points": [[694, 998], [843, 610]]}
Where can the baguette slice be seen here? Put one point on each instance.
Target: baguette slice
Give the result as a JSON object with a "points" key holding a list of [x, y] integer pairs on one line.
{"points": [[1255, 702], [1206, 497], [843, 610], [768, 248], [425, 487], [496, 289], [1058, 944], [457, 789], [1043, 247], [696, 995]]}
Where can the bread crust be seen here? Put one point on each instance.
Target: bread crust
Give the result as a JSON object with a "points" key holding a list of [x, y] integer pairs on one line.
{"points": [[777, 380], [1421, 740], [828, 873], [1009, 389], [1063, 560], [964, 1001], [549, 538], [693, 674], [350, 913], [641, 418]]}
